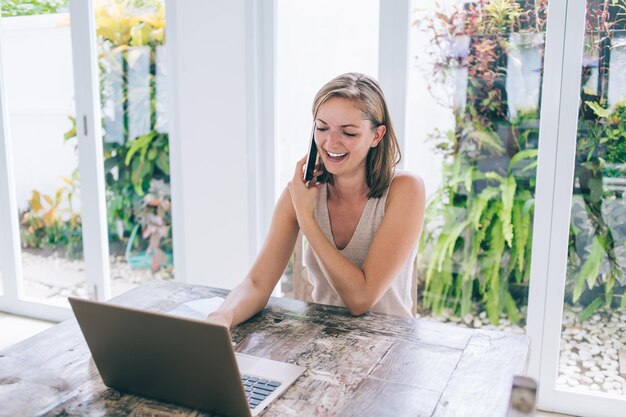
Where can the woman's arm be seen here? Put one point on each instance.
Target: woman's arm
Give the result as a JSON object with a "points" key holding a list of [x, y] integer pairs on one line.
{"points": [[361, 288], [251, 296]]}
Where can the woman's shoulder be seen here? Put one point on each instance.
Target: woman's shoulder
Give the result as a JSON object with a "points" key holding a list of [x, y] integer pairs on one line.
{"points": [[406, 186], [404, 181]]}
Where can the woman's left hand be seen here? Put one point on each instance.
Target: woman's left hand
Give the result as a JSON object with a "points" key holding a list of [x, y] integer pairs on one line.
{"points": [[303, 194]]}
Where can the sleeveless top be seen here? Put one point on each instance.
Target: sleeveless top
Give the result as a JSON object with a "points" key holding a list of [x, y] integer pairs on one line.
{"points": [[398, 299]]}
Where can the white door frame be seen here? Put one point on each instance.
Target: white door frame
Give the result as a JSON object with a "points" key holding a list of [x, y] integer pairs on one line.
{"points": [[393, 61], [93, 206], [90, 152], [555, 176]]}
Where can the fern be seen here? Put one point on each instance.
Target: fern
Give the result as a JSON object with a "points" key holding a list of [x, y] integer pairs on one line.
{"points": [[523, 155], [492, 259], [590, 269], [508, 187], [511, 308], [478, 205]]}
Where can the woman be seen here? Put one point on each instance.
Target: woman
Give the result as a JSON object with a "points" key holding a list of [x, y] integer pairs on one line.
{"points": [[362, 220]]}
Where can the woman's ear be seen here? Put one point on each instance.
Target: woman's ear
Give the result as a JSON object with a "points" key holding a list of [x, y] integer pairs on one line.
{"points": [[379, 135]]}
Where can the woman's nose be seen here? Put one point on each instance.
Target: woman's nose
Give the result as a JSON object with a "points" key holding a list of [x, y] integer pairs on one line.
{"points": [[333, 137]]}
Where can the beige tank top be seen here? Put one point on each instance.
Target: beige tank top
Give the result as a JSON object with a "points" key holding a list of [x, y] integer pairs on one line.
{"points": [[398, 299]]}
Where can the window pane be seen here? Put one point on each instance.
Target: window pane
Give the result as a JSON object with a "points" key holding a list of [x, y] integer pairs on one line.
{"points": [[1, 281], [41, 112], [316, 41], [593, 340], [472, 134], [133, 64]]}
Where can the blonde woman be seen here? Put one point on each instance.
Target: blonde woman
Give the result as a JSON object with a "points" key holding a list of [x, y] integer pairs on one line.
{"points": [[362, 219]]}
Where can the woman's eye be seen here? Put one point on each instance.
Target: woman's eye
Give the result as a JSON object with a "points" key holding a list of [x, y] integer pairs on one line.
{"points": [[349, 134], [322, 129]]}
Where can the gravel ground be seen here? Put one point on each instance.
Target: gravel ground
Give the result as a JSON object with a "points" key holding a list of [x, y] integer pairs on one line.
{"points": [[55, 278]]}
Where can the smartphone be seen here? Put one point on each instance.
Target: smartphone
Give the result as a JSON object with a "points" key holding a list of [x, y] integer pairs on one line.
{"points": [[311, 158]]}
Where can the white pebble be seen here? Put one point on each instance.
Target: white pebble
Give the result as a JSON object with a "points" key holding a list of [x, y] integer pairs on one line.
{"points": [[572, 382]]}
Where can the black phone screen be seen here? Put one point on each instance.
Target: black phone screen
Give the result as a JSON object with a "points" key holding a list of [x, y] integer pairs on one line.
{"points": [[311, 158]]}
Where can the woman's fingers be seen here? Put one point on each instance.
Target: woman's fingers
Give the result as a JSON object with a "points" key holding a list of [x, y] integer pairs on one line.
{"points": [[300, 168]]}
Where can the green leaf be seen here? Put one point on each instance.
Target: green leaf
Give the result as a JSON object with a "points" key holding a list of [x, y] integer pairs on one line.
{"points": [[58, 196], [508, 187], [494, 176], [163, 163], [466, 297], [477, 205], [598, 109], [590, 309], [590, 269], [72, 131], [511, 308], [489, 140], [520, 156], [141, 143], [623, 303]]}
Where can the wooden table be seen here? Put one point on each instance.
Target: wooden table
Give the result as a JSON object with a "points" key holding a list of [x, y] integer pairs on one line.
{"points": [[373, 365]]}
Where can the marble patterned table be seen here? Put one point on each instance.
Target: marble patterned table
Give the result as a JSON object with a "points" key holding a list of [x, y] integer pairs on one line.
{"points": [[373, 365]]}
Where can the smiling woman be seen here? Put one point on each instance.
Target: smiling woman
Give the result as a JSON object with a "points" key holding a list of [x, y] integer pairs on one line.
{"points": [[361, 218]]}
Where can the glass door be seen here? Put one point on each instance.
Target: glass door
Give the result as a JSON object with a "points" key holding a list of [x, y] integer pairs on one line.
{"points": [[50, 206], [132, 63], [592, 352], [473, 126], [579, 354], [40, 107]]}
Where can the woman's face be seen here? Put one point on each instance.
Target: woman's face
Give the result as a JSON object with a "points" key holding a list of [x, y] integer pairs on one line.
{"points": [[344, 136]]}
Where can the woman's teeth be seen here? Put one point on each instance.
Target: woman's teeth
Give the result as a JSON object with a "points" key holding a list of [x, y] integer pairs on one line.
{"points": [[336, 155]]}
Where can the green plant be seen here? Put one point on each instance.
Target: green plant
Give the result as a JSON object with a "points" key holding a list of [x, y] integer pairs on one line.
{"points": [[49, 224], [479, 252], [596, 253], [155, 216], [10, 8], [596, 258], [131, 163], [476, 245]]}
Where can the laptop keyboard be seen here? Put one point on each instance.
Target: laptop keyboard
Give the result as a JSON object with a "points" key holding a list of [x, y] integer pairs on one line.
{"points": [[257, 389]]}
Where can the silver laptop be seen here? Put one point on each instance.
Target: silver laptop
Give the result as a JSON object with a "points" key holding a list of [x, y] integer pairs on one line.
{"points": [[179, 360]]}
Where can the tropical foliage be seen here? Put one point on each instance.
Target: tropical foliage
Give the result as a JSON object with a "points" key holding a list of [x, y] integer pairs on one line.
{"points": [[136, 161], [476, 246], [477, 254]]}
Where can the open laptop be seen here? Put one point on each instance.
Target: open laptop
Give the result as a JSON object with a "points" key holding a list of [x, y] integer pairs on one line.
{"points": [[179, 360]]}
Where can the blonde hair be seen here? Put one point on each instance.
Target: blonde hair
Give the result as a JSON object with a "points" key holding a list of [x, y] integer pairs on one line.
{"points": [[366, 95]]}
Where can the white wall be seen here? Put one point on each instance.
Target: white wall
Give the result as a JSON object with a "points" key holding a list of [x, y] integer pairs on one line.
{"points": [[316, 41], [40, 96], [206, 44]]}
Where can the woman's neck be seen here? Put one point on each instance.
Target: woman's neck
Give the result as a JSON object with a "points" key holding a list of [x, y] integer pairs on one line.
{"points": [[348, 189]]}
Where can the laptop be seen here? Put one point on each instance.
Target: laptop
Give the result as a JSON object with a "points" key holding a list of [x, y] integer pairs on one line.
{"points": [[178, 360]]}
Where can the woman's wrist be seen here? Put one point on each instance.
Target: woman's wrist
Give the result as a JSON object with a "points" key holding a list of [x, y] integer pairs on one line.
{"points": [[221, 318], [306, 223]]}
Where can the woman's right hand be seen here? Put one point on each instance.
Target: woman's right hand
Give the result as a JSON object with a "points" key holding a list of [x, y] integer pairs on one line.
{"points": [[219, 318]]}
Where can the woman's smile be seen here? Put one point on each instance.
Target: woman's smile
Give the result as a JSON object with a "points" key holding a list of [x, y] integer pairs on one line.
{"points": [[335, 157]]}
